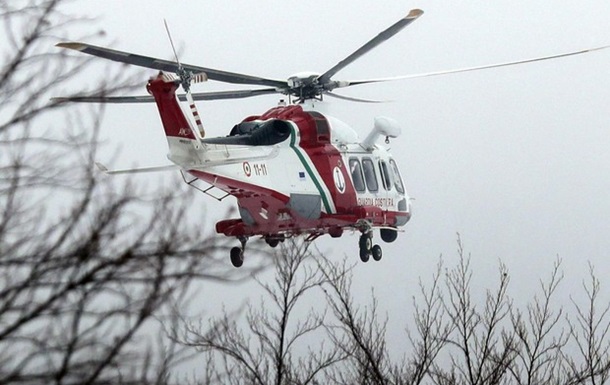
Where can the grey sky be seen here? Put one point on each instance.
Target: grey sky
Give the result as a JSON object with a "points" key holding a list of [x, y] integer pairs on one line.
{"points": [[514, 159]]}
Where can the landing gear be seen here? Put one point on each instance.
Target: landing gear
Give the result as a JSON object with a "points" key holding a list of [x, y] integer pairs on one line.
{"points": [[237, 256], [274, 240], [237, 253], [365, 244], [335, 232], [377, 252], [367, 249]]}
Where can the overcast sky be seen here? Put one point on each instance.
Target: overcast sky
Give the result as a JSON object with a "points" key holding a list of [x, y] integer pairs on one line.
{"points": [[514, 159]]}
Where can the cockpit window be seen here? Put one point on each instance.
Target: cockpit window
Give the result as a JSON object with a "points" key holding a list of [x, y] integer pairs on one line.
{"points": [[397, 179], [356, 171], [386, 179], [369, 174]]}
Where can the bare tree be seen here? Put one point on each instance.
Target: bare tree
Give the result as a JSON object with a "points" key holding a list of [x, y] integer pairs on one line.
{"points": [[588, 359], [266, 350], [86, 265], [540, 337], [481, 347], [357, 332], [453, 342], [457, 337], [261, 351], [432, 330]]}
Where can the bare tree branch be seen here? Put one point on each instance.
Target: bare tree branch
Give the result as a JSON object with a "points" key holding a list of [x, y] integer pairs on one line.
{"points": [[86, 264], [264, 351], [588, 333]]}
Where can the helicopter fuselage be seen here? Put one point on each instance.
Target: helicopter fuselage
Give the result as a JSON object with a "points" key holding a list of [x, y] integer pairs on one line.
{"points": [[305, 183], [293, 171]]}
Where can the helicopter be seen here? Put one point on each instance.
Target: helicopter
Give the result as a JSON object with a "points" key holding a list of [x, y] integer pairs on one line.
{"points": [[293, 170]]}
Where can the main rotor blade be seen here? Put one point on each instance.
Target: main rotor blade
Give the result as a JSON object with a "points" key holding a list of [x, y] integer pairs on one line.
{"points": [[217, 95], [352, 99], [238, 94], [170, 66], [383, 36], [421, 75], [104, 99]]}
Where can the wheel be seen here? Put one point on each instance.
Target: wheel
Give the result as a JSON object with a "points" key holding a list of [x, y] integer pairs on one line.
{"points": [[237, 256], [335, 232], [365, 244], [388, 235], [377, 252], [273, 242], [364, 255]]}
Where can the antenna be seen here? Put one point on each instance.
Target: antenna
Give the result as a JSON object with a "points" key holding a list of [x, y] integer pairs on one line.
{"points": [[185, 80]]}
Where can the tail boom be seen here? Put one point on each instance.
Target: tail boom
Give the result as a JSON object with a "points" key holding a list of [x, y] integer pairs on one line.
{"points": [[181, 136], [172, 117]]}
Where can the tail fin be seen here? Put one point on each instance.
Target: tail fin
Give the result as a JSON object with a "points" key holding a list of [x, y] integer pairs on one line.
{"points": [[180, 133]]}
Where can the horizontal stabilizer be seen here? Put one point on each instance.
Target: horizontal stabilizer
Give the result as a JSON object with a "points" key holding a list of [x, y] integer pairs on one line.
{"points": [[105, 170]]}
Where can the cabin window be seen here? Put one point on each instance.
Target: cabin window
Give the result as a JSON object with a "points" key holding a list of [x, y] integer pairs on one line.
{"points": [[397, 180], [385, 175], [356, 171], [369, 174]]}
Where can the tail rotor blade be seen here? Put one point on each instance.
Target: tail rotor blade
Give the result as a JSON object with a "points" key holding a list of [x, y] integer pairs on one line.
{"points": [[171, 42], [200, 77]]}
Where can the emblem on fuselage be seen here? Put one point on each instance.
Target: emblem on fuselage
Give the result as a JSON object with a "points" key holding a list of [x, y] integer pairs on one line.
{"points": [[339, 179], [247, 169]]}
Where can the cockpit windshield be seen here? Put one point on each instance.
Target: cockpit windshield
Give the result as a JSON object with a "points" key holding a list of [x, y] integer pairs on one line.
{"points": [[397, 179]]}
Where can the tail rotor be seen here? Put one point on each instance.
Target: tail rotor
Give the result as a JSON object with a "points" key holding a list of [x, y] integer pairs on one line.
{"points": [[186, 77]]}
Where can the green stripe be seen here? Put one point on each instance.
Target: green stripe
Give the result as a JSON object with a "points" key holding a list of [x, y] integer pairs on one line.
{"points": [[293, 139]]}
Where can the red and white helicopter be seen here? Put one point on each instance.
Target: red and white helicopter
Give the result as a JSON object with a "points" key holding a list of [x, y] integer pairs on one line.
{"points": [[293, 170]]}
